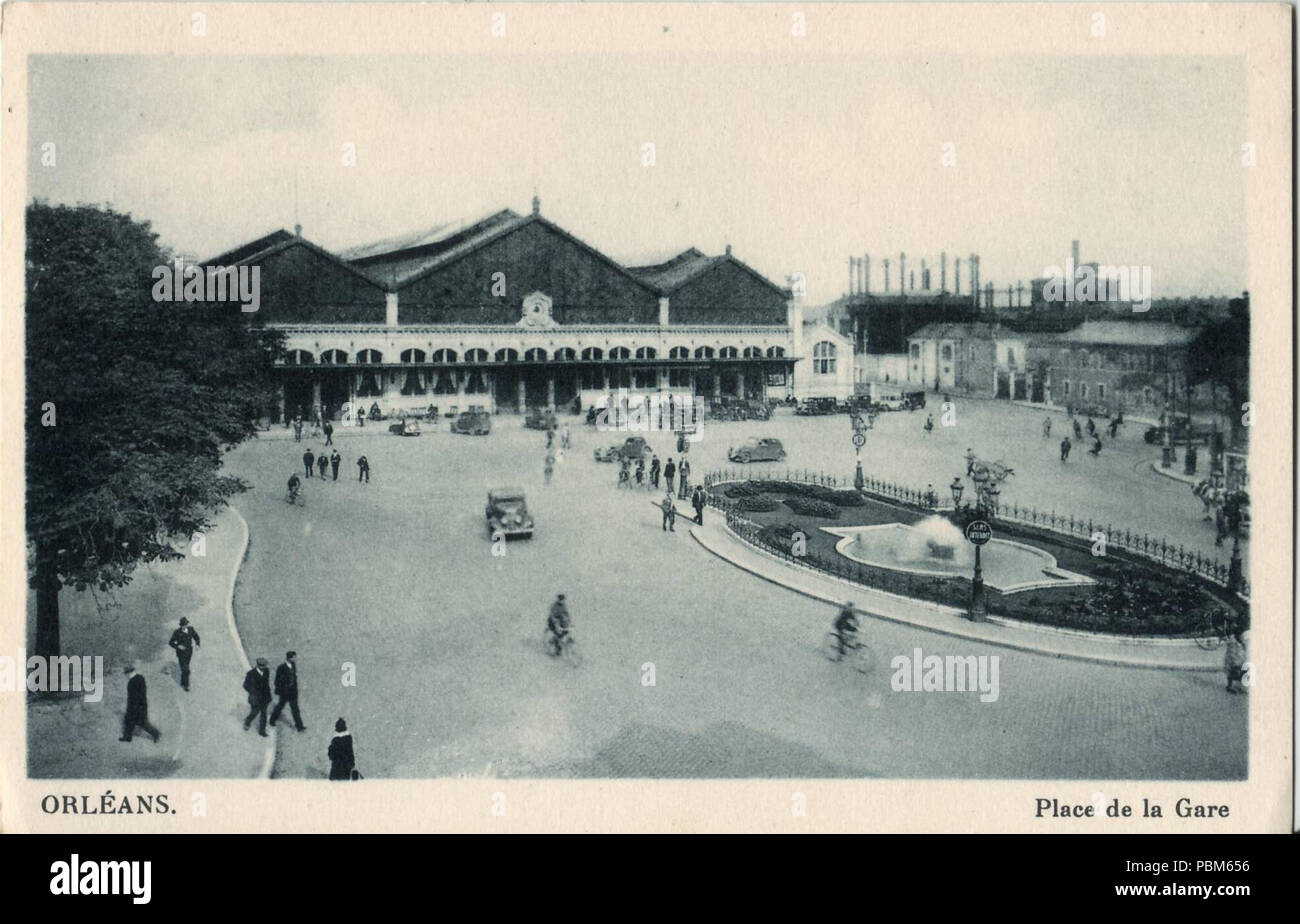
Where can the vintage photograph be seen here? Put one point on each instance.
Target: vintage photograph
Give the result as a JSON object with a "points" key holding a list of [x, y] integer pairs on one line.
{"points": [[653, 413]]}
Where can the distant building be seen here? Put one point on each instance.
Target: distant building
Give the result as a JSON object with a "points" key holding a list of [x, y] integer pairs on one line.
{"points": [[986, 360], [1133, 365]]}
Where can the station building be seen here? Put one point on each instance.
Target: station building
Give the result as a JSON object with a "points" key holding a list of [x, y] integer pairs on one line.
{"points": [[512, 311]]}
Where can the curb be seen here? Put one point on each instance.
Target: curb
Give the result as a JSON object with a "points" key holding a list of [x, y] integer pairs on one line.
{"points": [[1172, 475], [953, 631], [268, 760]]}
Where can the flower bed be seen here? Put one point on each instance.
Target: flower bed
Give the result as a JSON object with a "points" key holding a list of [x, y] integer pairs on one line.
{"points": [[812, 508]]}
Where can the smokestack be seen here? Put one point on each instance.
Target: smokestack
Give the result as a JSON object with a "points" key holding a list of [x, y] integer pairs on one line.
{"points": [[943, 271], [911, 280], [852, 272], [975, 278], [925, 276], [886, 262], [866, 274], [1074, 252], [902, 273], [956, 277]]}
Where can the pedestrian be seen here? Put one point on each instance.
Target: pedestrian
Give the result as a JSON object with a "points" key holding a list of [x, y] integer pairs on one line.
{"points": [[328, 428], [1234, 659], [297, 429], [670, 472], [1092, 426], [184, 640], [257, 683], [931, 498], [624, 473], [697, 501], [335, 461], [670, 512], [1065, 449], [1114, 426], [1078, 431], [137, 706], [322, 463], [308, 462], [1096, 446], [640, 473], [363, 470], [343, 761], [929, 424], [564, 437], [1047, 428], [361, 417], [683, 478], [654, 473], [286, 687], [550, 465], [970, 460]]}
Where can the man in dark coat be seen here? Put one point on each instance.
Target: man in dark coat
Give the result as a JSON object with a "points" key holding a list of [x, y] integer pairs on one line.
{"points": [[335, 461], [343, 761], [286, 687], [137, 706], [308, 462], [697, 501], [322, 464], [670, 472], [329, 433], [363, 469], [1065, 449], [654, 473], [257, 683], [184, 640]]}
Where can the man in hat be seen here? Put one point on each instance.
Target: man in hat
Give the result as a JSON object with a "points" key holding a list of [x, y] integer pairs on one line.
{"points": [[309, 462], [137, 706], [286, 687], [257, 683], [184, 640]]}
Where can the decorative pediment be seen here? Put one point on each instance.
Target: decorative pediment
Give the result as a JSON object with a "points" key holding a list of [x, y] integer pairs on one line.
{"points": [[536, 311]]}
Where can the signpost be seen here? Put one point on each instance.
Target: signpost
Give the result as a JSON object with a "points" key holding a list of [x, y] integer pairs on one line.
{"points": [[978, 532]]}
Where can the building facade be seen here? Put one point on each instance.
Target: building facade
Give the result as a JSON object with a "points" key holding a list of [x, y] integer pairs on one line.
{"points": [[509, 312], [987, 360], [826, 367]]}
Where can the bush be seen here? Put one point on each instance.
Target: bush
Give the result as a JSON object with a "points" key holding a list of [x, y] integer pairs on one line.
{"points": [[742, 490], [757, 504], [813, 508]]}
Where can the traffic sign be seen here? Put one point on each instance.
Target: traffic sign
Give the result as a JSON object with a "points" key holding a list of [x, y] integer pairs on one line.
{"points": [[979, 531], [859, 440]]}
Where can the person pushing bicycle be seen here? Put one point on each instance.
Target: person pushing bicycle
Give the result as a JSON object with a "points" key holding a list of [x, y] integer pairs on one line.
{"points": [[294, 487], [846, 628]]}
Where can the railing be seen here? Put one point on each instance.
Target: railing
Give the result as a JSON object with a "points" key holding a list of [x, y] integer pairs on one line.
{"points": [[1140, 544]]}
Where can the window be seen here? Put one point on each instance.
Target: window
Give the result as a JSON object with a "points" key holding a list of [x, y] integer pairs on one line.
{"points": [[972, 352], [1147, 394], [916, 350], [334, 358], [412, 356], [476, 356], [507, 356], [775, 352], [299, 358], [620, 353], [535, 355], [947, 352], [645, 378], [1065, 388], [370, 357], [1101, 391], [593, 378], [1083, 389], [590, 353], [824, 358], [679, 353], [444, 356], [704, 352], [679, 377], [1011, 356], [728, 352], [565, 355], [645, 353]]}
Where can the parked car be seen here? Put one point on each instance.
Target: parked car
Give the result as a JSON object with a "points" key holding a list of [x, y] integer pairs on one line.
{"points": [[758, 410], [475, 423], [453, 411], [814, 406], [1181, 431], [507, 513], [914, 400], [539, 418], [406, 426], [633, 448], [758, 449]]}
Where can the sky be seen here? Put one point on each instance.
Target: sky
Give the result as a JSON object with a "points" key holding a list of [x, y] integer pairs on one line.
{"points": [[796, 162]]}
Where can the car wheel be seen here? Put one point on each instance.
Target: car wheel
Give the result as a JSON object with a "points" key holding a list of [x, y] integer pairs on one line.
{"points": [[780, 456]]}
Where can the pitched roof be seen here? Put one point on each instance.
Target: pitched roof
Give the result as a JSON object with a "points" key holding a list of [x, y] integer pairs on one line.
{"points": [[675, 272], [244, 251], [1129, 333], [962, 330], [427, 241]]}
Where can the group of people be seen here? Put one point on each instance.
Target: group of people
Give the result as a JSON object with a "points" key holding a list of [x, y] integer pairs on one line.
{"points": [[325, 467], [698, 501], [649, 479], [259, 686]]}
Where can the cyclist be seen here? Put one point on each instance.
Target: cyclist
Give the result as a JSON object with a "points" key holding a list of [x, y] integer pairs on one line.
{"points": [[294, 487], [558, 623], [846, 628]]}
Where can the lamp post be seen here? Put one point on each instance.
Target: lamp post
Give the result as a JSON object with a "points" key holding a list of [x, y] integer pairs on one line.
{"points": [[860, 428]]}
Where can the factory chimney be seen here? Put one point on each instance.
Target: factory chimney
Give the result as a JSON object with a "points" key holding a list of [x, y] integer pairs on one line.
{"points": [[886, 262], [1074, 254], [943, 271], [956, 277], [866, 274], [902, 273]]}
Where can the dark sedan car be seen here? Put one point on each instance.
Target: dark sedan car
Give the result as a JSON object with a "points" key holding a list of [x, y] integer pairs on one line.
{"points": [[507, 513], [814, 406], [758, 449], [475, 423]]}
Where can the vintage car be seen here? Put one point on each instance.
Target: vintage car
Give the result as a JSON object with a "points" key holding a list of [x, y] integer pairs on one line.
{"points": [[475, 423], [914, 400], [758, 449], [814, 406], [1182, 431], [507, 513], [406, 426], [539, 418], [633, 448]]}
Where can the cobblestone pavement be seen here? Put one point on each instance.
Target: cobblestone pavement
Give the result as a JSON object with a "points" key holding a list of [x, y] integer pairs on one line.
{"points": [[397, 578]]}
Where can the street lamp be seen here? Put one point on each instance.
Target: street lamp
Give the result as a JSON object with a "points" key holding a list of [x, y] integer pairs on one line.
{"points": [[860, 428]]}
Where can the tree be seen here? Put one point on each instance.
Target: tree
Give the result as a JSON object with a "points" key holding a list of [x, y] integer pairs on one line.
{"points": [[1220, 355], [130, 404]]}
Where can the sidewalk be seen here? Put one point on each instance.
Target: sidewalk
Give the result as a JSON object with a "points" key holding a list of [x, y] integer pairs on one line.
{"points": [[201, 730], [1166, 654]]}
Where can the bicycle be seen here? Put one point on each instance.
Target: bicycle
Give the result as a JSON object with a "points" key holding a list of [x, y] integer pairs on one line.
{"points": [[858, 654], [564, 647], [295, 497], [1215, 635]]}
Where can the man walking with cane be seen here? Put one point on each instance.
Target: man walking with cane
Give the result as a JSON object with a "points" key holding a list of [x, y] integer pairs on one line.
{"points": [[184, 640]]}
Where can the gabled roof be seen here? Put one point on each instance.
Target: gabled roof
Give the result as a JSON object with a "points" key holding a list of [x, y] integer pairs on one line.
{"points": [[1129, 333], [690, 264], [428, 241], [940, 330], [244, 251], [259, 250]]}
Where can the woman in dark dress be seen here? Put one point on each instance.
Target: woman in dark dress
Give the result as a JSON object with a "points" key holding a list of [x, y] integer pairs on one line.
{"points": [[342, 760]]}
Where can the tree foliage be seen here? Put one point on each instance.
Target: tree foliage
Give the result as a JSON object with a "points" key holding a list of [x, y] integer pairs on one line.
{"points": [[129, 404]]}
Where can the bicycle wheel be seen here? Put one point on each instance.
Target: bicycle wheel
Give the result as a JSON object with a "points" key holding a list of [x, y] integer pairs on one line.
{"points": [[864, 659], [831, 647], [572, 656], [1210, 642]]}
